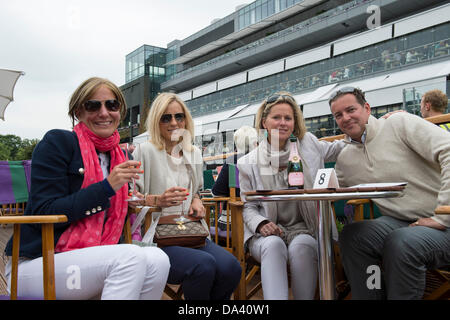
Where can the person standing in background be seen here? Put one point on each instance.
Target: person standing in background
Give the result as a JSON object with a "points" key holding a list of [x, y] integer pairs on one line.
{"points": [[434, 103]]}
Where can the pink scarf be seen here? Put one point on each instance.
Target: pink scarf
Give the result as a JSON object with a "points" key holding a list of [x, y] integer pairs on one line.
{"points": [[89, 232]]}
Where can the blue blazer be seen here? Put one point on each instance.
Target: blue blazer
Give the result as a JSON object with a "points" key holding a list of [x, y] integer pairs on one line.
{"points": [[56, 181]]}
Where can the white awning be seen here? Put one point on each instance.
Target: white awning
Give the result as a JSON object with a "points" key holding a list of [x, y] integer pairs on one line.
{"points": [[385, 89], [143, 137], [209, 123], [249, 110], [315, 95], [401, 78], [212, 117], [236, 122], [417, 74]]}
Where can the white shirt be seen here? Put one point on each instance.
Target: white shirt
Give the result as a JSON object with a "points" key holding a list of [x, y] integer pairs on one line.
{"points": [[103, 158], [178, 176]]}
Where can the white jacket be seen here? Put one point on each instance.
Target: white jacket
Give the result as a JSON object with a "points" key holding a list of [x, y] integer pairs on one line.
{"points": [[314, 154], [154, 163]]}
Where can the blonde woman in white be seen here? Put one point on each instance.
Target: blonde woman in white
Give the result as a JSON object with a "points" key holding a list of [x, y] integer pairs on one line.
{"points": [[282, 233], [173, 174]]}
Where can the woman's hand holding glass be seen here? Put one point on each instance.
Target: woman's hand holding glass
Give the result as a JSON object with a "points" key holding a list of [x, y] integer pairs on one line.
{"points": [[173, 196], [137, 203], [134, 197], [124, 173]]}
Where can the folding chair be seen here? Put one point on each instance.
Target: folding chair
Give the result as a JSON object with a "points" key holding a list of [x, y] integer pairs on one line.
{"points": [[175, 292], [15, 180], [223, 237], [48, 250]]}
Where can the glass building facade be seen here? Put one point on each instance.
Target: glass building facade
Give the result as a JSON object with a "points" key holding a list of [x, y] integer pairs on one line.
{"points": [[415, 48], [261, 9], [266, 39], [409, 50], [146, 61]]}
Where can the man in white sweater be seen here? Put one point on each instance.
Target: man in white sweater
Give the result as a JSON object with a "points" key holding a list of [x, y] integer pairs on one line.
{"points": [[408, 238]]}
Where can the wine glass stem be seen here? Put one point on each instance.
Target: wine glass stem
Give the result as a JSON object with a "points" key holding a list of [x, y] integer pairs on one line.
{"points": [[182, 209]]}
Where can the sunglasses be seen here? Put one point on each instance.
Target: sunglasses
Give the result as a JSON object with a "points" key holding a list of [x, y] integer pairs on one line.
{"points": [[95, 105], [166, 118], [342, 91], [275, 97]]}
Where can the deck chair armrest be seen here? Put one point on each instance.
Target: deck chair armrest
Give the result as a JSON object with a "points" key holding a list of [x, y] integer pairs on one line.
{"points": [[237, 234], [356, 202], [442, 210], [147, 221], [359, 208], [48, 249], [33, 219], [215, 199]]}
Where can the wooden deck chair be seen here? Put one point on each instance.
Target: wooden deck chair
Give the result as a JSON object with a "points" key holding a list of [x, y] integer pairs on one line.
{"points": [[15, 179], [222, 237], [208, 179], [175, 292], [237, 232], [440, 119], [48, 250]]}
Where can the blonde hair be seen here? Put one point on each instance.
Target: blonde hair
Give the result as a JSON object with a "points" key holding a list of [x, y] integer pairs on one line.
{"points": [[283, 97], [87, 89], [157, 109]]}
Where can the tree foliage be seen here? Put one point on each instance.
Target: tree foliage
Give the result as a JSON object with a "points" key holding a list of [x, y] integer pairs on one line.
{"points": [[13, 147]]}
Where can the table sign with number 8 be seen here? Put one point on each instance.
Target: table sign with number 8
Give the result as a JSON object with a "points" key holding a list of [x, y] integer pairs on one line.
{"points": [[326, 178]]}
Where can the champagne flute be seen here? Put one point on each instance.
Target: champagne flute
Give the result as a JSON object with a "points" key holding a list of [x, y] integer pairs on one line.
{"points": [[182, 219], [133, 197]]}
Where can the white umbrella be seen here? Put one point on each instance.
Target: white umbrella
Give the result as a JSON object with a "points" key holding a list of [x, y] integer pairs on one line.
{"points": [[8, 79]]}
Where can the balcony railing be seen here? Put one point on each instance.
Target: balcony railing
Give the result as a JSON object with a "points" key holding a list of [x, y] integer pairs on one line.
{"points": [[263, 41], [385, 62]]}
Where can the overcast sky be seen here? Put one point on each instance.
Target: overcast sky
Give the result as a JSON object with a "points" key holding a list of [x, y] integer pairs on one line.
{"points": [[59, 44]]}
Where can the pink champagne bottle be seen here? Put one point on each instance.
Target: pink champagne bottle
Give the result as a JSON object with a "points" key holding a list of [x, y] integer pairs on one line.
{"points": [[295, 167]]}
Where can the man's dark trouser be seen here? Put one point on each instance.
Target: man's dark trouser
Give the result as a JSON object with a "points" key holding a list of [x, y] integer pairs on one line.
{"points": [[402, 253]]}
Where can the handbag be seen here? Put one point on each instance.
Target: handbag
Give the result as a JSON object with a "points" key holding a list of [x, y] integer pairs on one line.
{"points": [[190, 234], [166, 231]]}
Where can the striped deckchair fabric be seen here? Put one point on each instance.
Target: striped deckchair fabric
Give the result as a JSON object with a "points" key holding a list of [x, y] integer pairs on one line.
{"points": [[14, 186], [233, 176]]}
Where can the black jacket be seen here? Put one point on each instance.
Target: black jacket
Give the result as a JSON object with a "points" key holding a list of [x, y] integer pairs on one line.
{"points": [[221, 186], [56, 180]]}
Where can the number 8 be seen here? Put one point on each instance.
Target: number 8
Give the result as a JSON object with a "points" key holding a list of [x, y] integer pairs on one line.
{"points": [[322, 178]]}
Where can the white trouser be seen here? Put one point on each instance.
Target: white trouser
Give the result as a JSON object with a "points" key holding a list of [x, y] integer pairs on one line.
{"points": [[122, 271], [273, 255]]}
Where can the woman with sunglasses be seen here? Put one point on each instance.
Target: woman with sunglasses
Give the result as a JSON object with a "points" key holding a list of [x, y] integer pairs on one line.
{"points": [[278, 234], [173, 174], [84, 175]]}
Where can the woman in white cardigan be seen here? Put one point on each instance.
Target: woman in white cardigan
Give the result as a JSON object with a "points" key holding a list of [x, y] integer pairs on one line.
{"points": [[282, 233], [172, 178]]}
